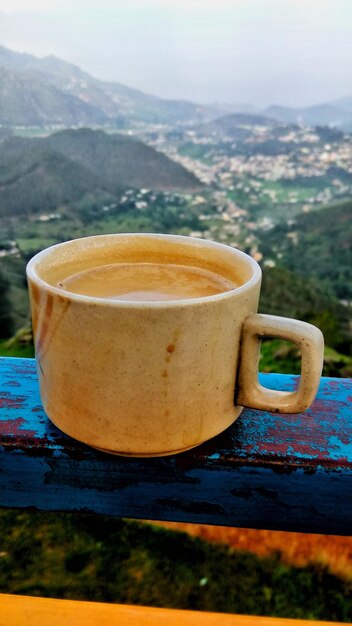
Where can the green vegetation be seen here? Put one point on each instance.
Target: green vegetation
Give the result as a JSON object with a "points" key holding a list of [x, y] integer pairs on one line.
{"points": [[13, 270], [31, 246], [283, 357], [6, 319], [279, 200], [200, 152], [111, 560], [285, 293], [20, 345], [316, 246]]}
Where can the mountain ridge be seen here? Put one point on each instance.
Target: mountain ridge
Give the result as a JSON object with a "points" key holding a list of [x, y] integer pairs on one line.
{"points": [[116, 102], [26, 100]]}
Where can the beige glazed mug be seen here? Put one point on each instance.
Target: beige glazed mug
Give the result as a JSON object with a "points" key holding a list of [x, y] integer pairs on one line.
{"points": [[140, 378]]}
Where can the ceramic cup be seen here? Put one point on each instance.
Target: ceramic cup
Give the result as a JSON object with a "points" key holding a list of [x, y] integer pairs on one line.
{"points": [[157, 378]]}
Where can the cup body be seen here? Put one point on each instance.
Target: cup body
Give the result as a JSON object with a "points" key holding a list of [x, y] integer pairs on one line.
{"points": [[139, 378]]}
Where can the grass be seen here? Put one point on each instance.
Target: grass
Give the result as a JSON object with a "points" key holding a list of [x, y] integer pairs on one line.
{"points": [[298, 549], [112, 560]]}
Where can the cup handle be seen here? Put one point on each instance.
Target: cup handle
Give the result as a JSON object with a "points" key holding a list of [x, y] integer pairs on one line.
{"points": [[311, 343]]}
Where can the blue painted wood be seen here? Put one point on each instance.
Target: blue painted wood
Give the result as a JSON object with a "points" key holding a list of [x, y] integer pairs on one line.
{"points": [[288, 472]]}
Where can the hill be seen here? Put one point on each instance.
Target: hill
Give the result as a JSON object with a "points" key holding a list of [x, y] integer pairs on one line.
{"points": [[316, 245], [41, 174], [336, 114], [106, 101], [34, 178], [121, 161]]}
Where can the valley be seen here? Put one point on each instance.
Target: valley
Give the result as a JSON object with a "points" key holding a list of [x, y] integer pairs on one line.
{"points": [[76, 183]]}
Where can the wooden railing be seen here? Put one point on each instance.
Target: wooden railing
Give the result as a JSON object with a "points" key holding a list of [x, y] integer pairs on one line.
{"points": [[287, 472]]}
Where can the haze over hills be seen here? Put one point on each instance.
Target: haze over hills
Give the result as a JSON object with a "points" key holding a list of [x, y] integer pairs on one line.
{"points": [[337, 114], [50, 91], [26, 100], [41, 174], [105, 101]]}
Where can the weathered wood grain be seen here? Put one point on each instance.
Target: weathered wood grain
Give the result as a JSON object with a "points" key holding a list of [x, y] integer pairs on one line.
{"points": [[288, 472]]}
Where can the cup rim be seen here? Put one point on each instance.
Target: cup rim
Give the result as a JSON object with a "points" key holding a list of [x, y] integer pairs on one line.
{"points": [[142, 304]]}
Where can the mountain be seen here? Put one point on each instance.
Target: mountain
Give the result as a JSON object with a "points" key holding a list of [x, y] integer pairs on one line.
{"points": [[109, 101], [224, 108], [26, 100], [49, 90], [41, 174], [344, 104], [336, 114]]}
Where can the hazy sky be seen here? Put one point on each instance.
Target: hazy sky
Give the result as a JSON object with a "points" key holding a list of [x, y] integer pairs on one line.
{"points": [[292, 52]]}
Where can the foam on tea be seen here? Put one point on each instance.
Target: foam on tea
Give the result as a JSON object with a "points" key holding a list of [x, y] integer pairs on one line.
{"points": [[146, 282]]}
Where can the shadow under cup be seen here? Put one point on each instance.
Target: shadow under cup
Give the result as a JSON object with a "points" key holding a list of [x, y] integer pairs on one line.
{"points": [[140, 378]]}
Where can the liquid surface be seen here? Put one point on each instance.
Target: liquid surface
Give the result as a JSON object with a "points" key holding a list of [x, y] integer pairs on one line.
{"points": [[146, 282]]}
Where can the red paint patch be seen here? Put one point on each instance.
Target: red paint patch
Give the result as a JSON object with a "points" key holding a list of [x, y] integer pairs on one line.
{"points": [[315, 436], [11, 403], [14, 428], [171, 348], [333, 385]]}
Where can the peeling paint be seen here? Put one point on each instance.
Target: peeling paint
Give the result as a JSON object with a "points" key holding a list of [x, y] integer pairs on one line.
{"points": [[270, 470], [15, 427], [9, 402]]}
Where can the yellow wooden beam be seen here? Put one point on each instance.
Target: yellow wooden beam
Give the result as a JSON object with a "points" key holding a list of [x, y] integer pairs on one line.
{"points": [[20, 610]]}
